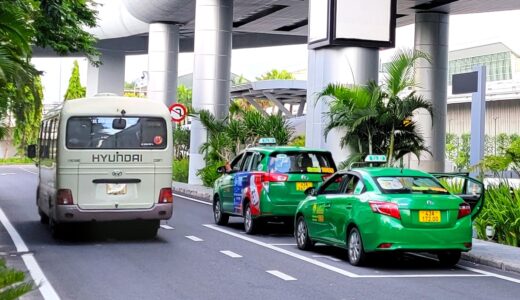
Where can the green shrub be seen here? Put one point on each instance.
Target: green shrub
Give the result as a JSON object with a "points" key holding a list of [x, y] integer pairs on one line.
{"points": [[12, 283], [298, 141], [209, 173], [181, 170], [502, 211], [16, 161]]}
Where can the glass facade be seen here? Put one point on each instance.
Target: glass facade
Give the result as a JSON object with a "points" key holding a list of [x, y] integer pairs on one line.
{"points": [[498, 66]]}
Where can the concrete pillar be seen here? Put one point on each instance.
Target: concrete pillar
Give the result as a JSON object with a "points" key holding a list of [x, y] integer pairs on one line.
{"points": [[211, 72], [109, 77], [349, 65], [163, 56], [431, 37]]}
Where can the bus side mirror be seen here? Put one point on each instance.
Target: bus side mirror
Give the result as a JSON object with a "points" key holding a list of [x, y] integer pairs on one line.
{"points": [[31, 151]]}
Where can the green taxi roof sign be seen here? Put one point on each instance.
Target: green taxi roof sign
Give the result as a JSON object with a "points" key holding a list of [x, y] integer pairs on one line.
{"points": [[267, 141], [375, 158]]}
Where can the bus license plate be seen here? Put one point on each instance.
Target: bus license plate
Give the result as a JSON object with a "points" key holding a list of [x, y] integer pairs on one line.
{"points": [[302, 186], [116, 189], [430, 216]]}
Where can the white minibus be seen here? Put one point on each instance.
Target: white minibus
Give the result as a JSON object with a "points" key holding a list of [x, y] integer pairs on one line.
{"points": [[105, 158]]}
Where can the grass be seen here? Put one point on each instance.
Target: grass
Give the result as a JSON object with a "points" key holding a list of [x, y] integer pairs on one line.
{"points": [[16, 161]]}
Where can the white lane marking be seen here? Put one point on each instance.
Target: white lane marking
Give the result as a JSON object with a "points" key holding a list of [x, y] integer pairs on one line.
{"points": [[484, 273], [282, 244], [192, 199], [167, 227], [27, 171], [327, 266], [5, 174], [281, 275], [194, 238], [32, 265], [327, 257], [231, 254], [281, 250]]}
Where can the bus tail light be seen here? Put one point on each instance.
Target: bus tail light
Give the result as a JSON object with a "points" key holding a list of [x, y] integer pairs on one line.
{"points": [[64, 197], [464, 210], [166, 195], [385, 208]]}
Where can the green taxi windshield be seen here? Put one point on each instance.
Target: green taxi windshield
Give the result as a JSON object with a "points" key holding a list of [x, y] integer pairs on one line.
{"points": [[301, 162], [409, 185]]}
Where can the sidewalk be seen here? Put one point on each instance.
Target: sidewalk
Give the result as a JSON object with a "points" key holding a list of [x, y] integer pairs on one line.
{"points": [[485, 253]]}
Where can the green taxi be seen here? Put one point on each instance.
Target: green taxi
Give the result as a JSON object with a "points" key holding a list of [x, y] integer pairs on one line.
{"points": [[377, 209], [267, 183]]}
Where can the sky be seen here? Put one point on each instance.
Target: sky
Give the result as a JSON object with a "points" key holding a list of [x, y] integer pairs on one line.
{"points": [[465, 31]]}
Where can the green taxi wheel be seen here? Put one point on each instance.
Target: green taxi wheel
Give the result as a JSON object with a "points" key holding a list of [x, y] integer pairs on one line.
{"points": [[356, 252], [250, 224], [221, 218], [301, 233], [449, 258]]}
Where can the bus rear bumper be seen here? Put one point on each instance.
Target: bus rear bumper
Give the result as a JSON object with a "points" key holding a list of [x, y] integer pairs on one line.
{"points": [[72, 213]]}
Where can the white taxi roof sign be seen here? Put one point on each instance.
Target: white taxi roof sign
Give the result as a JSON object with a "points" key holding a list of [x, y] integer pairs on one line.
{"points": [[375, 158], [267, 141]]}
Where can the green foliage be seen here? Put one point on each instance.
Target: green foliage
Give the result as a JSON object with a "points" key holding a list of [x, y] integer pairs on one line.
{"points": [[378, 118], [226, 138], [298, 141], [16, 161], [209, 174], [181, 170], [501, 212], [277, 74], [239, 80], [13, 283], [75, 90], [181, 143], [498, 163], [184, 96], [60, 25]]}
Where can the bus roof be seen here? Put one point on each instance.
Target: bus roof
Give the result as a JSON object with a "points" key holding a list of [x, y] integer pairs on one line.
{"points": [[113, 105]]}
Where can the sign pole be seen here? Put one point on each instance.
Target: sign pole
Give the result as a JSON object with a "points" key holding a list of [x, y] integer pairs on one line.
{"points": [[478, 118]]}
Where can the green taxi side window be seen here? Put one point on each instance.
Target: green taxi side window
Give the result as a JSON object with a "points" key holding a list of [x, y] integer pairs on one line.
{"points": [[247, 161], [257, 165], [335, 185], [236, 163]]}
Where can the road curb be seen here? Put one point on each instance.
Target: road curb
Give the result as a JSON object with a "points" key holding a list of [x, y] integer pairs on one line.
{"points": [[490, 262]]}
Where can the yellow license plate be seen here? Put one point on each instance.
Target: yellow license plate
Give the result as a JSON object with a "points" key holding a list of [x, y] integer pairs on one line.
{"points": [[302, 186], [116, 189], [430, 216]]}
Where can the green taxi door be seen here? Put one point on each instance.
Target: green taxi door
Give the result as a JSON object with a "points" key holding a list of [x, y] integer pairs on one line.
{"points": [[341, 209], [330, 192], [468, 188]]}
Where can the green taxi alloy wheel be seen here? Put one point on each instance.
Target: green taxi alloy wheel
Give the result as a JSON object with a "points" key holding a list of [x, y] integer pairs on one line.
{"points": [[356, 252], [250, 224], [301, 234], [221, 218], [449, 258]]}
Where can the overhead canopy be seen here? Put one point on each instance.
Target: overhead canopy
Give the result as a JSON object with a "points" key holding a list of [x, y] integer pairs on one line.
{"points": [[284, 94]]}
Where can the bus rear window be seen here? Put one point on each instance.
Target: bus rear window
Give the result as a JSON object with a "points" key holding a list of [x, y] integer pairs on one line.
{"points": [[301, 162], [99, 133]]}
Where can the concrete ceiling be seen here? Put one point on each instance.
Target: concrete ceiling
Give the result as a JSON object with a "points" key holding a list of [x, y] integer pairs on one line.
{"points": [[123, 25]]}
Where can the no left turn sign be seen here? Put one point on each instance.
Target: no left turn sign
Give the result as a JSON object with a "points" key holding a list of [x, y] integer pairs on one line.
{"points": [[178, 112]]}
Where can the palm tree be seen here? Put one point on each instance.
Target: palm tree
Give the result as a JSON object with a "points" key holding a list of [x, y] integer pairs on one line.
{"points": [[378, 119]]}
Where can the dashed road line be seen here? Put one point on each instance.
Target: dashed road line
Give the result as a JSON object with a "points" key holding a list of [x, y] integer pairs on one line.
{"points": [[32, 265], [281, 275], [282, 244], [231, 254], [168, 227], [192, 199], [194, 238]]}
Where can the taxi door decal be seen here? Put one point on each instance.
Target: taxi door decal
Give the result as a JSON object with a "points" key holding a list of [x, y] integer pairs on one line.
{"points": [[239, 183], [255, 192]]}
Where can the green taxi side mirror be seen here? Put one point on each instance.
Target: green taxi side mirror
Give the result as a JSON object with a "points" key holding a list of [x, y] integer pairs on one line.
{"points": [[31, 151], [311, 192]]}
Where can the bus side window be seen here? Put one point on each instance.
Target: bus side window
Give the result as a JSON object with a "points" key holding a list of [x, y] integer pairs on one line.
{"points": [[44, 148]]}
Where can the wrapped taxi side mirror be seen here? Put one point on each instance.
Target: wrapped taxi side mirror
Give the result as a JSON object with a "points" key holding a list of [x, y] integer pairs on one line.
{"points": [[221, 170]]}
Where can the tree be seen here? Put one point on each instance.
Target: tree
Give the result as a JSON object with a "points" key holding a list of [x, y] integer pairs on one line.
{"points": [[378, 118], [75, 89], [185, 96], [277, 74]]}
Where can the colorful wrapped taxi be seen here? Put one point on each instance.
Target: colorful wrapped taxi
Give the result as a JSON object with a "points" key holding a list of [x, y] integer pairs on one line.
{"points": [[267, 183], [374, 209]]}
